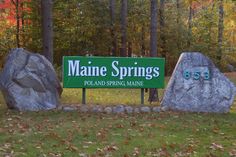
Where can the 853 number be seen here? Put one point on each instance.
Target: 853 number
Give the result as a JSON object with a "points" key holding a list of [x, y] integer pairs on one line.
{"points": [[196, 75]]}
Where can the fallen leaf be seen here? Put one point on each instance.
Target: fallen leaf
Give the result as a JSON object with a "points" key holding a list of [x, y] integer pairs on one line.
{"points": [[232, 153], [73, 148], [136, 152], [215, 146], [215, 130]]}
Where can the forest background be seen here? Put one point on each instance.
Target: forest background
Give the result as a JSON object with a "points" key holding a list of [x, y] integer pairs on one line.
{"points": [[95, 27]]}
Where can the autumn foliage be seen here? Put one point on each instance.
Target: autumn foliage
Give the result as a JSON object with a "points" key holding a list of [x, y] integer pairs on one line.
{"points": [[8, 10]]}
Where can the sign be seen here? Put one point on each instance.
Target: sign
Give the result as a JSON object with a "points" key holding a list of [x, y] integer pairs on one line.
{"points": [[112, 72]]}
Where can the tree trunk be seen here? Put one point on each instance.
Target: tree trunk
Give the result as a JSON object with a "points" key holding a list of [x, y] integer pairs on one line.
{"points": [[47, 29], [209, 48], [178, 25], [130, 49], [190, 25], [162, 28], [220, 31], [22, 24], [113, 35], [16, 4], [123, 27], [153, 29], [153, 94], [143, 48]]}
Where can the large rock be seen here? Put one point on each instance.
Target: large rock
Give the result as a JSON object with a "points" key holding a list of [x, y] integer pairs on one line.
{"points": [[29, 82], [196, 85]]}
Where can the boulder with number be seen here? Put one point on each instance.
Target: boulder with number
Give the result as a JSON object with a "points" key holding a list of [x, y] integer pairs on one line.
{"points": [[196, 85], [29, 82]]}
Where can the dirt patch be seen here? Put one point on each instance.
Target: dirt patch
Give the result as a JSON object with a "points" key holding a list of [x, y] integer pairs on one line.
{"points": [[231, 76]]}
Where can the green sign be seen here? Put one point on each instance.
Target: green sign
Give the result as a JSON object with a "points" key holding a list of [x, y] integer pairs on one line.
{"points": [[113, 72]]}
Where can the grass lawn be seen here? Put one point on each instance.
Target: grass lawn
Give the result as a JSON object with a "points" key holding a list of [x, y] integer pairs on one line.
{"points": [[57, 133], [107, 96]]}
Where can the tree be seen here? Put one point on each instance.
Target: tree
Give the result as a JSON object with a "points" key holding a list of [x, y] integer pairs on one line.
{"points": [[162, 28], [113, 34], [153, 29], [47, 29], [22, 23], [82, 27], [130, 50], [123, 27], [153, 94], [17, 5], [178, 24], [143, 47], [190, 16], [137, 27], [220, 31]]}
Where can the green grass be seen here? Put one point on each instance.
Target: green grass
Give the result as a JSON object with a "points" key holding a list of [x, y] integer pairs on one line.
{"points": [[72, 133], [106, 96], [57, 133]]}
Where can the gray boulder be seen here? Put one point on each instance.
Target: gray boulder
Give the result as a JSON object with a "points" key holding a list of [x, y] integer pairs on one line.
{"points": [[129, 109], [28, 82], [119, 109], [97, 109], [69, 108], [145, 109], [196, 85], [84, 109], [156, 109], [136, 110], [108, 110]]}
